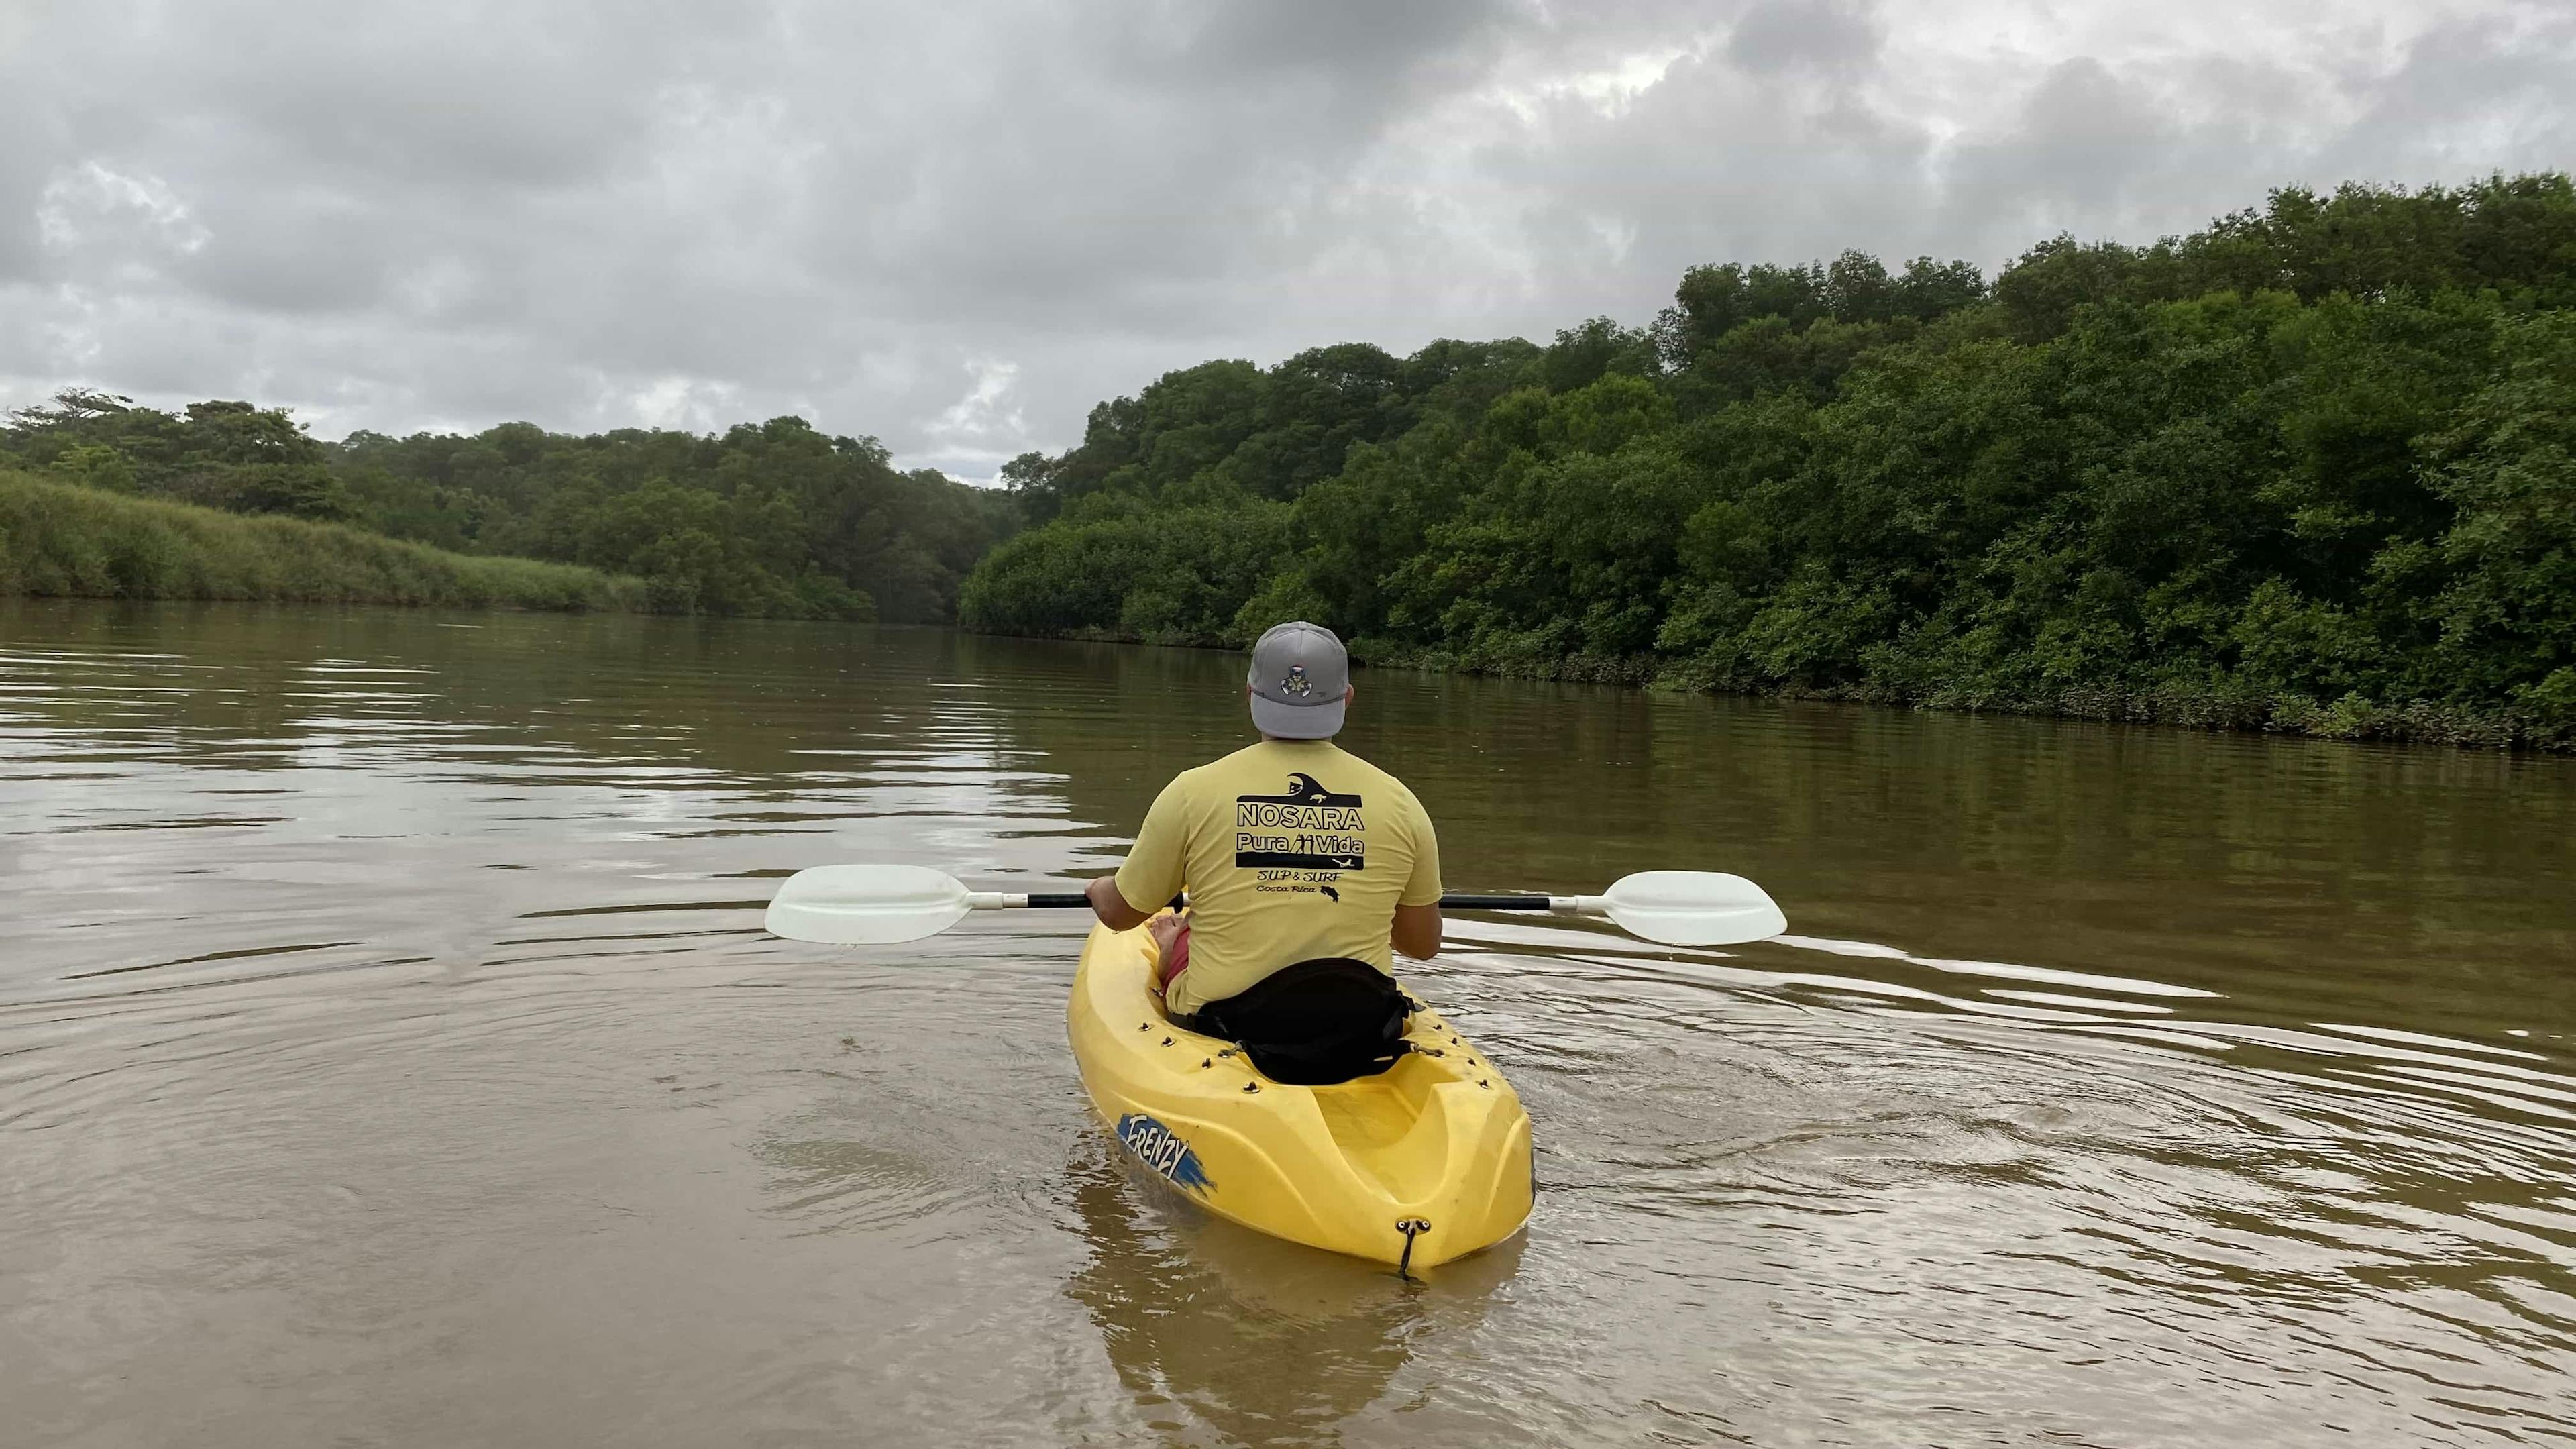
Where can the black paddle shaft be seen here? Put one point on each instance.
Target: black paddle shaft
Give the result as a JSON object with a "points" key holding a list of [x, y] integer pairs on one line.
{"points": [[1494, 903], [1070, 900]]}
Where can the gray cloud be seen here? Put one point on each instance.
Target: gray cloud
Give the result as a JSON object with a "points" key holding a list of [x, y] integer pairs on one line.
{"points": [[1782, 35], [957, 227]]}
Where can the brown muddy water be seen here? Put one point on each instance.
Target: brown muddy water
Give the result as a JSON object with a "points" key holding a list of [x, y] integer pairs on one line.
{"points": [[390, 1054]]}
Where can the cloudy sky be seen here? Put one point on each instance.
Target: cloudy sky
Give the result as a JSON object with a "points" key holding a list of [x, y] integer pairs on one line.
{"points": [[956, 226]]}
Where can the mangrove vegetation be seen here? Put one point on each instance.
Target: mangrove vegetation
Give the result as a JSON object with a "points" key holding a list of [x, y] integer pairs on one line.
{"points": [[772, 519], [2306, 469]]}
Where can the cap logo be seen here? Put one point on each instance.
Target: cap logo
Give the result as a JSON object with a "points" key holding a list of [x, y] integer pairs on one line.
{"points": [[1297, 683]]}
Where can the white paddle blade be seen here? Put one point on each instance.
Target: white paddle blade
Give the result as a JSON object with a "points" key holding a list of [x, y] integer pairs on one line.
{"points": [[1693, 908], [866, 905]]}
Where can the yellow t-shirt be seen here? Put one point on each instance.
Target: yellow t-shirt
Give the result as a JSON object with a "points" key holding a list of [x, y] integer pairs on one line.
{"points": [[1290, 850]]}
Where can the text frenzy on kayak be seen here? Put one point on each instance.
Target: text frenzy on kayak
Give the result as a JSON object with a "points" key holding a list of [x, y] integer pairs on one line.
{"points": [[1163, 1150]]}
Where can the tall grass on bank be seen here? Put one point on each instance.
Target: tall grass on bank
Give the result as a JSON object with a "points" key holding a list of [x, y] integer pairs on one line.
{"points": [[63, 540]]}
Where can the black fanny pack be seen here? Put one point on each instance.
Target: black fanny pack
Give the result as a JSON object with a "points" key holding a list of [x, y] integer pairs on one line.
{"points": [[1315, 1023]]}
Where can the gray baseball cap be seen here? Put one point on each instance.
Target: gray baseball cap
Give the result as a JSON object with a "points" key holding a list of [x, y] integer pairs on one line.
{"points": [[1299, 674]]}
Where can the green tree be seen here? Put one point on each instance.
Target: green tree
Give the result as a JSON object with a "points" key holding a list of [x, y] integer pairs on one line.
{"points": [[2304, 468]]}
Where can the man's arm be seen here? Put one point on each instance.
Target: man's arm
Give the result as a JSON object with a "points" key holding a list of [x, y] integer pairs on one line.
{"points": [[1117, 915], [1417, 931], [1153, 869]]}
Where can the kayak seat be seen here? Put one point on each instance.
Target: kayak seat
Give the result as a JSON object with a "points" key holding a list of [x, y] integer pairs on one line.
{"points": [[1316, 1023]]}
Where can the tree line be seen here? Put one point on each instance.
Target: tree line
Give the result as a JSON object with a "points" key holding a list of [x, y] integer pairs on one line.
{"points": [[2308, 468], [773, 519]]}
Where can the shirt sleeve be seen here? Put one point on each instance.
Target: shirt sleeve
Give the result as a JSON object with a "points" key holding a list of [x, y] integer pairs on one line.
{"points": [[1422, 888], [1152, 874]]}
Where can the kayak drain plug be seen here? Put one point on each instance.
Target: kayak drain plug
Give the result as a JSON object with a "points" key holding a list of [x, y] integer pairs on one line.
{"points": [[1411, 1228]]}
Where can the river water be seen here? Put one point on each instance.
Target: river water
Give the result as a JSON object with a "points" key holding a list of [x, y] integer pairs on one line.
{"points": [[390, 1054]]}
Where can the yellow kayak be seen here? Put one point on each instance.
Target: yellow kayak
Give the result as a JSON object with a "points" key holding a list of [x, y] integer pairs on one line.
{"points": [[1425, 1162]]}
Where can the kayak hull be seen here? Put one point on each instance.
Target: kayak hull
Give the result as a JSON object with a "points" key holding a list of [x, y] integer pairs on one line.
{"points": [[1434, 1151]]}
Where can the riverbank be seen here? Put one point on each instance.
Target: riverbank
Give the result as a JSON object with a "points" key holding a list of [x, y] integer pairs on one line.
{"points": [[2224, 704], [2219, 706], [60, 540]]}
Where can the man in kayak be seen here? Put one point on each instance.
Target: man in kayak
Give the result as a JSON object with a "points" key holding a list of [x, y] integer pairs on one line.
{"points": [[1298, 858]]}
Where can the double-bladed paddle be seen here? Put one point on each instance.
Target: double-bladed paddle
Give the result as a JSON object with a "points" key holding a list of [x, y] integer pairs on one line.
{"points": [[880, 905]]}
